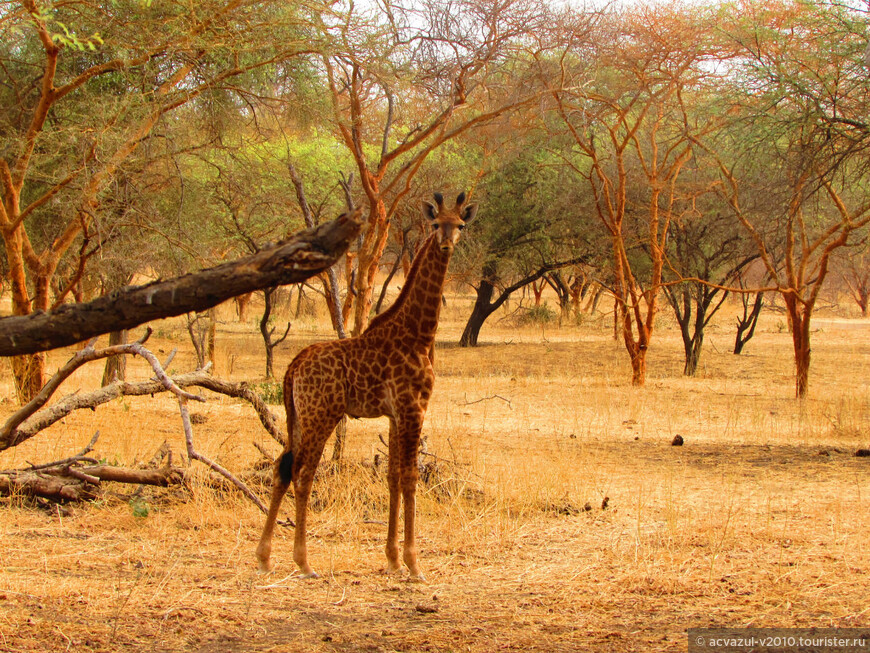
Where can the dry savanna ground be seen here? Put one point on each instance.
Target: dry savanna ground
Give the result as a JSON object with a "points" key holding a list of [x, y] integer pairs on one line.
{"points": [[759, 519]]}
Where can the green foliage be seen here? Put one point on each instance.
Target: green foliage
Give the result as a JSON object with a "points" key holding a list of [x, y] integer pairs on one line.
{"points": [[537, 315], [71, 39], [531, 212], [272, 392], [139, 507]]}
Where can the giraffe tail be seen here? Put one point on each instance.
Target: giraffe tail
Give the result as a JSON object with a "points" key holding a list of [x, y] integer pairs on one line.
{"points": [[285, 467], [285, 462]]}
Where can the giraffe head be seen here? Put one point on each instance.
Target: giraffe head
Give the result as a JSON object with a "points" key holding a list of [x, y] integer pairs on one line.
{"points": [[447, 222]]}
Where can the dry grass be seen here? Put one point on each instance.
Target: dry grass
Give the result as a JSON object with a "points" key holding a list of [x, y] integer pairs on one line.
{"points": [[760, 519]]}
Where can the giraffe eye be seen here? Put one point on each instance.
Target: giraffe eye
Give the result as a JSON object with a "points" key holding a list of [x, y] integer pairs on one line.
{"points": [[434, 226], [460, 227]]}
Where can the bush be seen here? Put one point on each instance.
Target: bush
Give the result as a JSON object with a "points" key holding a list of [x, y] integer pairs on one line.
{"points": [[272, 392], [542, 314]]}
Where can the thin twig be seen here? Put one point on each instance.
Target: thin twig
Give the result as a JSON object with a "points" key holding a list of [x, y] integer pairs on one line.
{"points": [[195, 455], [477, 401], [79, 457], [265, 453]]}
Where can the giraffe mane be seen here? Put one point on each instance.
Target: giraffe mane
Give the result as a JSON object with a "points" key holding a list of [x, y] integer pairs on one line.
{"points": [[409, 281]]}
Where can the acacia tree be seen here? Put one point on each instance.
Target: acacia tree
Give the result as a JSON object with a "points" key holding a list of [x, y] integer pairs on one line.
{"points": [[76, 109], [855, 270], [705, 254], [802, 97], [404, 80], [815, 224], [628, 131], [532, 227], [248, 220]]}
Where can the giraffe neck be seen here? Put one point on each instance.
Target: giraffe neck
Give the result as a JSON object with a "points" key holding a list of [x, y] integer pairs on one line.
{"points": [[416, 310]]}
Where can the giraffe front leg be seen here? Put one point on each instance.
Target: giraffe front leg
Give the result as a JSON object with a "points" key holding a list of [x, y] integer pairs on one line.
{"points": [[409, 555], [394, 481], [410, 440]]}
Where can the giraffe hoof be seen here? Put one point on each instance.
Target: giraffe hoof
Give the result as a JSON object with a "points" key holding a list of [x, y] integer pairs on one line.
{"points": [[417, 578], [393, 571], [264, 566], [309, 575]]}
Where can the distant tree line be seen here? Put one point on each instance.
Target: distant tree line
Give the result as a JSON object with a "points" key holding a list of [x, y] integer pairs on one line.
{"points": [[643, 156]]}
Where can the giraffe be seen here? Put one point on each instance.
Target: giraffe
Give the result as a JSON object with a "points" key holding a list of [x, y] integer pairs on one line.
{"points": [[384, 371]]}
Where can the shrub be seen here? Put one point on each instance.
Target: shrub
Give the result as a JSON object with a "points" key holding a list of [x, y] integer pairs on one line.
{"points": [[272, 392], [542, 314]]}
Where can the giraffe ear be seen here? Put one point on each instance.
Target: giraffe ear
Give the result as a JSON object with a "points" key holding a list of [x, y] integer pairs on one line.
{"points": [[429, 210], [469, 213]]}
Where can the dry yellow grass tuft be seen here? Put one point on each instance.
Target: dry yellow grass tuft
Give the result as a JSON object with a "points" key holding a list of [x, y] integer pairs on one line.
{"points": [[557, 515]]}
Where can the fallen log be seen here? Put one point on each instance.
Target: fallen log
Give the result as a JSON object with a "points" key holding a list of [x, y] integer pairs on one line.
{"points": [[76, 483]]}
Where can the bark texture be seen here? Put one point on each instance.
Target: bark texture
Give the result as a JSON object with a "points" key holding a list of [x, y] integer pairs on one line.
{"points": [[291, 261]]}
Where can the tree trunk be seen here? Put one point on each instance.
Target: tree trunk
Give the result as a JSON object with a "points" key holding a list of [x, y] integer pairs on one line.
{"points": [[116, 366], [636, 347], [592, 305], [746, 324], [615, 318], [802, 367], [682, 305], [482, 310], [562, 292], [211, 337], [693, 353], [243, 302], [198, 333], [268, 331], [638, 367], [681, 300], [28, 373], [538, 290], [578, 289], [291, 261], [369, 256], [799, 323], [483, 306]]}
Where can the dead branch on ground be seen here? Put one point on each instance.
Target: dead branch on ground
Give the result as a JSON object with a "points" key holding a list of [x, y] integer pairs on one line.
{"points": [[79, 477], [69, 479], [32, 418], [477, 401]]}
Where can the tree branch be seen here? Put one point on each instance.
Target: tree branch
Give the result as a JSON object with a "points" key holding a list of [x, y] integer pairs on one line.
{"points": [[295, 259]]}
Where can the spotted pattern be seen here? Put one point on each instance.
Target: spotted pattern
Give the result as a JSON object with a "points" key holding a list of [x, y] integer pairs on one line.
{"points": [[385, 371]]}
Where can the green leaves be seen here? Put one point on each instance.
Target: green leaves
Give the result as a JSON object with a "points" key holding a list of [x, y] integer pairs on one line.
{"points": [[68, 37], [140, 507]]}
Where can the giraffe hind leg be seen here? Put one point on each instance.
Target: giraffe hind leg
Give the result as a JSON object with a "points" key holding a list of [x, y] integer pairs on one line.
{"points": [[307, 458], [279, 489]]}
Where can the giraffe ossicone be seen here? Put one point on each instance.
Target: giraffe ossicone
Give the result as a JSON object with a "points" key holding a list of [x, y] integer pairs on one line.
{"points": [[387, 370]]}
